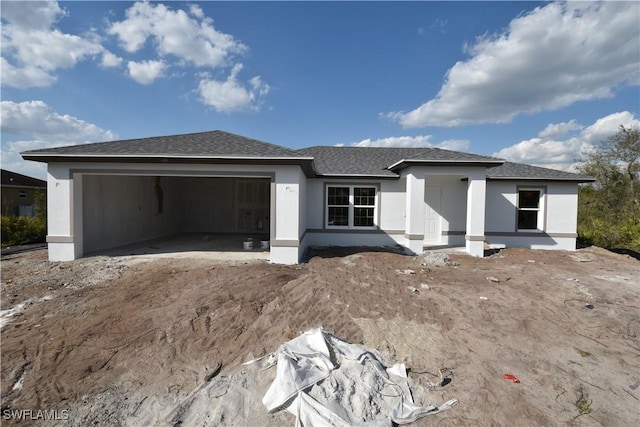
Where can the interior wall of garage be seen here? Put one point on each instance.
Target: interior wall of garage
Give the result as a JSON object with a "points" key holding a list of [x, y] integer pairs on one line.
{"points": [[123, 209]]}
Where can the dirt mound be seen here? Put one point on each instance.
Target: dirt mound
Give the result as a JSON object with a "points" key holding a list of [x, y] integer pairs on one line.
{"points": [[136, 341]]}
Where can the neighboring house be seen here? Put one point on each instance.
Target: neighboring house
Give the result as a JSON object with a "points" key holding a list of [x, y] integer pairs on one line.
{"points": [[108, 194], [18, 193]]}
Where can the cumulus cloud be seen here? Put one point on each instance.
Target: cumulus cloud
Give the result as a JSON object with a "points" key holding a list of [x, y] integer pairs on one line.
{"points": [[231, 94], [190, 37], [187, 38], [39, 120], [145, 72], [32, 49], [110, 60], [546, 59], [420, 141], [34, 125], [555, 130], [548, 150]]}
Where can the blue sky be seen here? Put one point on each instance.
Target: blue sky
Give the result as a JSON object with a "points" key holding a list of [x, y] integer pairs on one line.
{"points": [[530, 82]]}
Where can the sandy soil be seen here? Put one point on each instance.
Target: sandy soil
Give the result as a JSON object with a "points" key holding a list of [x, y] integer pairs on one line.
{"points": [[135, 341]]}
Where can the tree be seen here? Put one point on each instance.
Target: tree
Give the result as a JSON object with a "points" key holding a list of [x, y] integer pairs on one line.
{"points": [[609, 211]]}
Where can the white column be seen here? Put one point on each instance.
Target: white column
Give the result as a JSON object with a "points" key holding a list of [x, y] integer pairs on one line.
{"points": [[414, 213], [285, 241], [60, 212], [476, 197]]}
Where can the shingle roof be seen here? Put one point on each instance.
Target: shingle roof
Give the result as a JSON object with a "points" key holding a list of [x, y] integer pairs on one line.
{"points": [[12, 179], [204, 144], [224, 147], [376, 161], [511, 171]]}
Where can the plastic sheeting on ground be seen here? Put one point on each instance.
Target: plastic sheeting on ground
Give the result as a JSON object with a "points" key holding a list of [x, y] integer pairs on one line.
{"points": [[325, 381]]}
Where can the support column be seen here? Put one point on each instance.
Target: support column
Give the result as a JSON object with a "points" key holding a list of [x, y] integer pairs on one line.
{"points": [[414, 214], [476, 197], [63, 233], [285, 242]]}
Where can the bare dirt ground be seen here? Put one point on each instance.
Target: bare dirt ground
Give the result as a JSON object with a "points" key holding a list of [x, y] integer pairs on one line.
{"points": [[137, 341]]}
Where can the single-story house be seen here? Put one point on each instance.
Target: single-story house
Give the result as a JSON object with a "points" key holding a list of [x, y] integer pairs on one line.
{"points": [[19, 193], [103, 195]]}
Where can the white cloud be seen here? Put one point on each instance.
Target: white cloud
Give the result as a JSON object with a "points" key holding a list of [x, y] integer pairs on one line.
{"points": [[39, 120], [145, 72], [231, 95], [564, 154], [32, 49], [555, 130], [420, 141], [547, 59], [110, 60], [192, 39], [35, 125]]}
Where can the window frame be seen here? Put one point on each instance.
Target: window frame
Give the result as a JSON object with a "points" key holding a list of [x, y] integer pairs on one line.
{"points": [[351, 207], [540, 209]]}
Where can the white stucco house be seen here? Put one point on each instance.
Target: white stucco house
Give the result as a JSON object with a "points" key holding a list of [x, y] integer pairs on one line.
{"points": [[103, 195]]}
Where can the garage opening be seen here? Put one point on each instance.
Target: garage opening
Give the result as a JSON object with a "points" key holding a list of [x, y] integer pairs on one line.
{"points": [[175, 213]]}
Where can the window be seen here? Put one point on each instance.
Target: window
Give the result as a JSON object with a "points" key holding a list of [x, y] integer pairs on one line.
{"points": [[530, 209], [351, 206], [22, 194]]}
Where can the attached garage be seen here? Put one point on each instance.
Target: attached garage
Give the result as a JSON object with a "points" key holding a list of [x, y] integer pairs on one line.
{"points": [[106, 195]]}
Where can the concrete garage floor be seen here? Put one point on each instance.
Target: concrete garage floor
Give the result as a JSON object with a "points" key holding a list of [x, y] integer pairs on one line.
{"points": [[223, 247]]}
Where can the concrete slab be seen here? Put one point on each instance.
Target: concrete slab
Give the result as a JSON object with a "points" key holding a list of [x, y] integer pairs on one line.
{"points": [[214, 246]]}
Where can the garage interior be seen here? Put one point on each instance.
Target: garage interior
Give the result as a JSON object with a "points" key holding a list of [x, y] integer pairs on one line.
{"points": [[175, 213]]}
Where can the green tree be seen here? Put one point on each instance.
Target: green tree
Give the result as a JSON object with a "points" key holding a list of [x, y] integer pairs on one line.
{"points": [[609, 210]]}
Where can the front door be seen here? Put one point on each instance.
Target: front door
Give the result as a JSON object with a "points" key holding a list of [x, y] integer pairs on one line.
{"points": [[433, 220]]}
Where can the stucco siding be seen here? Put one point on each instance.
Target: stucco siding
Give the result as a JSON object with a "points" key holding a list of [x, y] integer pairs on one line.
{"points": [[562, 208], [500, 207]]}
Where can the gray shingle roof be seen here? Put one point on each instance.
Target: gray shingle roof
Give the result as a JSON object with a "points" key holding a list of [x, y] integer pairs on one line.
{"points": [[511, 171], [204, 144], [375, 161], [220, 147]]}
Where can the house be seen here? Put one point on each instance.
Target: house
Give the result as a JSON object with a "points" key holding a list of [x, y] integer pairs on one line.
{"points": [[107, 194], [19, 193]]}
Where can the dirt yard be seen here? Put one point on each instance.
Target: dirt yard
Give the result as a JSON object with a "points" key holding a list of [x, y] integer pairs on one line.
{"points": [[143, 341]]}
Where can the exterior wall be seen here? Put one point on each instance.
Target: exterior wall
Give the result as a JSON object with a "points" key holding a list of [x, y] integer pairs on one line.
{"points": [[390, 219], [560, 216]]}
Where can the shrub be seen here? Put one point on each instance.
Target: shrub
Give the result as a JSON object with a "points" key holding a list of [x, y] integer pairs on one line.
{"points": [[19, 230]]}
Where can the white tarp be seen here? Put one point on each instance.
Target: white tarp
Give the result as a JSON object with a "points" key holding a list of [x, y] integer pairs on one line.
{"points": [[313, 367]]}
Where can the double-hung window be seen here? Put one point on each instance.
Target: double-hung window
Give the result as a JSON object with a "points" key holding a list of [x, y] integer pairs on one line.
{"points": [[530, 209], [351, 206]]}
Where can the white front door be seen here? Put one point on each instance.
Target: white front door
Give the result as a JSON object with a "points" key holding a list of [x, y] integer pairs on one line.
{"points": [[433, 220]]}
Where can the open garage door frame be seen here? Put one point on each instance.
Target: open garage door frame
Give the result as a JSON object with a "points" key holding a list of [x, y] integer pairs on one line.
{"points": [[120, 207]]}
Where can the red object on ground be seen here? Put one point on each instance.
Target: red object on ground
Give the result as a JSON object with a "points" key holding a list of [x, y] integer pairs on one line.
{"points": [[511, 378]]}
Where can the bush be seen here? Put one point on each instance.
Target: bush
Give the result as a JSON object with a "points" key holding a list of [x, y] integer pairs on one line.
{"points": [[18, 230]]}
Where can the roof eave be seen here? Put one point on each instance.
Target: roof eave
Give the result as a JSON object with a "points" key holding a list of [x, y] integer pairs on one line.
{"points": [[355, 176], [404, 163], [530, 178]]}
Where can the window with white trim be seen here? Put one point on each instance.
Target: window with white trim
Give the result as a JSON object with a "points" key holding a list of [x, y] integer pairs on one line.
{"points": [[351, 206], [530, 209]]}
